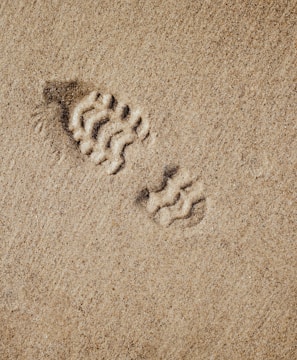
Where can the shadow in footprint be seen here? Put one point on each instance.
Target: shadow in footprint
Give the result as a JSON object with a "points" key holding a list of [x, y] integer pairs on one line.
{"points": [[64, 94]]}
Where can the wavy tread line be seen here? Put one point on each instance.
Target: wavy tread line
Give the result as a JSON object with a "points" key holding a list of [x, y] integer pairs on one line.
{"points": [[176, 199], [114, 125]]}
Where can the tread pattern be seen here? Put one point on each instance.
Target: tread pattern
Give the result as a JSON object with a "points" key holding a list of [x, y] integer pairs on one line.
{"points": [[176, 199], [103, 128]]}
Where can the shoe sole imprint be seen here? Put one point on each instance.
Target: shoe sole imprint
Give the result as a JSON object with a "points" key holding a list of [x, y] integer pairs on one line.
{"points": [[103, 128], [175, 200]]}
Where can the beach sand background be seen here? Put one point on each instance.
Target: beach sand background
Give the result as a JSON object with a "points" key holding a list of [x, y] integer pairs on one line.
{"points": [[85, 272]]}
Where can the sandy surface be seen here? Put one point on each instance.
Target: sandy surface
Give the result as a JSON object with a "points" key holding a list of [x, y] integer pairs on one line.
{"points": [[96, 263]]}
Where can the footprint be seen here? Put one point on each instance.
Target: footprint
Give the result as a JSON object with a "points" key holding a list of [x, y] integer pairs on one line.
{"points": [[179, 197], [101, 126]]}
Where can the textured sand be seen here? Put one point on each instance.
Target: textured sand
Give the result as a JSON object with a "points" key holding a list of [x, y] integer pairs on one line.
{"points": [[86, 271]]}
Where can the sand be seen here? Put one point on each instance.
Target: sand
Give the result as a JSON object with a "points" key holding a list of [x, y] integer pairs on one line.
{"points": [[148, 180]]}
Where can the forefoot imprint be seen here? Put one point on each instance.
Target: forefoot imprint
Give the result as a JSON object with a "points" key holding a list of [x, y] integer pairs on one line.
{"points": [[103, 128], [175, 200]]}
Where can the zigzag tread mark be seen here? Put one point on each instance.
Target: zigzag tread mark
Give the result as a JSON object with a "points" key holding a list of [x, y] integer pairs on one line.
{"points": [[103, 127], [182, 209], [170, 194], [176, 200]]}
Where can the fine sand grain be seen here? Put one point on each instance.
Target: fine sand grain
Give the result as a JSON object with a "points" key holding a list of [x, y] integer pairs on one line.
{"points": [[148, 180]]}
